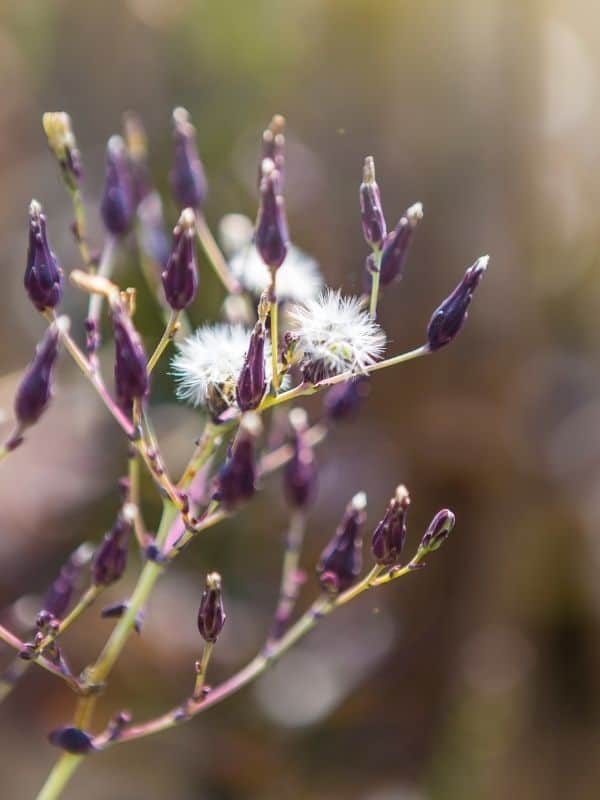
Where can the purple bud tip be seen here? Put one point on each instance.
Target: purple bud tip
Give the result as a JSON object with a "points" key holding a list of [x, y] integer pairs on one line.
{"points": [[300, 474], [58, 597], [43, 276], [341, 561], [252, 381], [271, 235], [35, 389], [448, 319], [371, 211], [118, 202], [343, 400], [390, 534], [110, 559], [211, 614], [131, 376], [188, 181], [72, 739], [438, 531], [180, 277], [236, 480], [397, 243]]}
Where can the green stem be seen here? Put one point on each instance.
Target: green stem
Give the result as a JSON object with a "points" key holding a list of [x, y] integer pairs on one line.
{"points": [[375, 278], [214, 256], [168, 334], [59, 776], [275, 378]]}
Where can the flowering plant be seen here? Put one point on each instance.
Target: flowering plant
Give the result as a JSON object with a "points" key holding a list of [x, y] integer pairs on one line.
{"points": [[284, 336]]}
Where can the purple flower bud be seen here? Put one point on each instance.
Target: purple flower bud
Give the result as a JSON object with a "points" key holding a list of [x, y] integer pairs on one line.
{"points": [[341, 561], [252, 382], [131, 376], [137, 150], [371, 211], [110, 558], [438, 530], [300, 474], [35, 388], [395, 247], [58, 597], [153, 234], [390, 533], [187, 176], [344, 399], [43, 276], [72, 739], [118, 201], [180, 277], [271, 235], [448, 319], [211, 615], [236, 480], [273, 143]]}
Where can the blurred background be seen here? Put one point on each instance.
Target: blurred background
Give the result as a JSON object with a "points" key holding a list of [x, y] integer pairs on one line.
{"points": [[480, 676]]}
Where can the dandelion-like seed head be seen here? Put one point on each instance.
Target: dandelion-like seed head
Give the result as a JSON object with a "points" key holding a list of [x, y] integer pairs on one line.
{"points": [[335, 334], [208, 364], [298, 278]]}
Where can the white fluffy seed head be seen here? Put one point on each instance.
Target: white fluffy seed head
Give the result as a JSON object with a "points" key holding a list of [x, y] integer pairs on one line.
{"points": [[298, 278], [335, 334]]}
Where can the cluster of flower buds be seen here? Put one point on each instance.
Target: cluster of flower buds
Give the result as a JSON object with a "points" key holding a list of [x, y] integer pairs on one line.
{"points": [[273, 146], [110, 558], [131, 374], [211, 614], [448, 319], [271, 237], [390, 534], [438, 531], [300, 474], [58, 597], [188, 181], [236, 480], [43, 275], [118, 199], [180, 276], [341, 561], [61, 139]]}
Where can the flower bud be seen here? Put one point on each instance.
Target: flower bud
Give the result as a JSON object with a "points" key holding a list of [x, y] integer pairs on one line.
{"points": [[43, 276], [273, 143], [110, 558], [71, 739], [300, 474], [395, 247], [211, 615], [35, 389], [390, 534], [448, 319], [371, 211], [344, 399], [61, 139], [131, 375], [58, 597], [252, 382], [341, 561], [271, 235], [180, 277], [188, 181], [438, 530], [152, 230], [118, 202], [137, 150], [236, 480]]}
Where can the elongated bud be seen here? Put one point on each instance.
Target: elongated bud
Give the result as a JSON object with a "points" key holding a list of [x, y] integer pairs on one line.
{"points": [[137, 150], [35, 389], [61, 139], [371, 211], [343, 400], [211, 615], [188, 181], [58, 597], [118, 201], [131, 375], [71, 739], [43, 276], [273, 144], [153, 232], [390, 533], [438, 531], [236, 480], [448, 319], [341, 561], [271, 227], [180, 277], [300, 474], [110, 558], [252, 382], [395, 247]]}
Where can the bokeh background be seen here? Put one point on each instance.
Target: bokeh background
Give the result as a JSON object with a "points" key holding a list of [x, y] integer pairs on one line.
{"points": [[480, 676]]}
